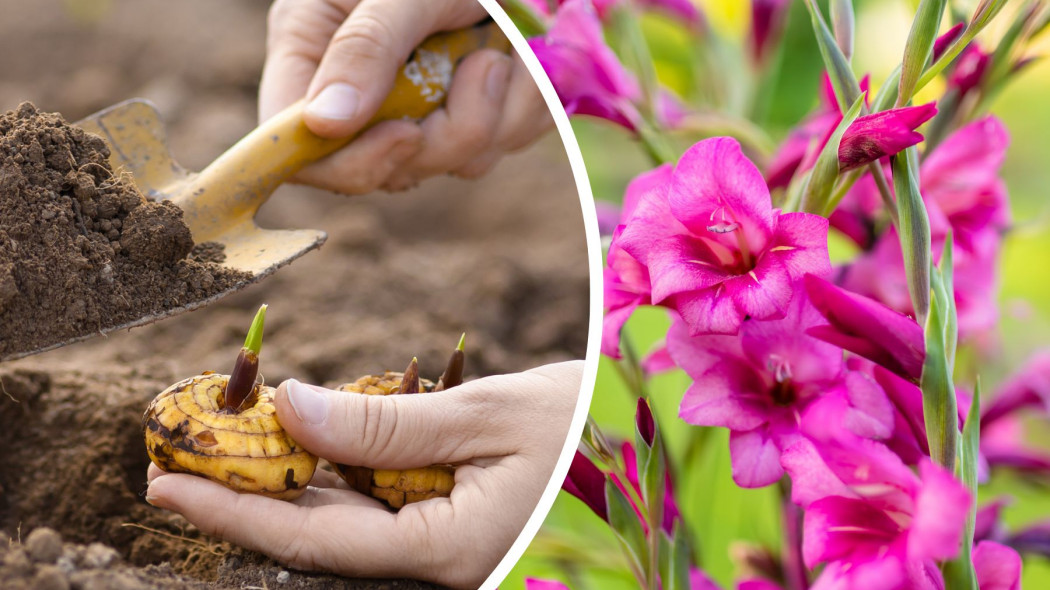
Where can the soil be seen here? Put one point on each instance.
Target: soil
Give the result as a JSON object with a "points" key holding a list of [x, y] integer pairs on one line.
{"points": [[502, 259], [81, 251]]}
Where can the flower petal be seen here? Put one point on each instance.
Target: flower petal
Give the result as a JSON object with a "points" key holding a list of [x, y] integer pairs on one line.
{"points": [[801, 242], [810, 477], [710, 311], [715, 187], [835, 527], [679, 264], [881, 134], [940, 515], [868, 328], [998, 567], [763, 293], [755, 457]]}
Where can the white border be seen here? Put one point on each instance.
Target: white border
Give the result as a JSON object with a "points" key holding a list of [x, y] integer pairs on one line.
{"points": [[594, 258]]}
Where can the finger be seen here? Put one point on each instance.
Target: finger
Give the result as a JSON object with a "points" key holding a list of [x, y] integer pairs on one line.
{"points": [[312, 537], [477, 419], [297, 34], [466, 126], [367, 162], [153, 472], [359, 65], [525, 113], [314, 497], [480, 165]]}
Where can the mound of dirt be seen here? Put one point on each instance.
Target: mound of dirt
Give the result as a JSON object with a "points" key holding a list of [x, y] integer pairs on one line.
{"points": [[80, 249], [502, 258]]}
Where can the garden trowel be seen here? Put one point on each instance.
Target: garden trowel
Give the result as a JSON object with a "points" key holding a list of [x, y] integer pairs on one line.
{"points": [[219, 203]]}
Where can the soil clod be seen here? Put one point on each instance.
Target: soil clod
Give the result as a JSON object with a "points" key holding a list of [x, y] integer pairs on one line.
{"points": [[81, 250], [44, 545]]}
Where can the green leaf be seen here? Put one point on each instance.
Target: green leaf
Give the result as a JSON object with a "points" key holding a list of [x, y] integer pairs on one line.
{"points": [[636, 54], [959, 572], [841, 74], [914, 229], [951, 324], [985, 12], [938, 393], [626, 525], [595, 440], [253, 341], [821, 179], [844, 25], [674, 560], [919, 47], [1000, 64], [528, 22]]}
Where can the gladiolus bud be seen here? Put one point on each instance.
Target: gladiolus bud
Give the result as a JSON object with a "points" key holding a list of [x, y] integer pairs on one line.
{"points": [[882, 134], [587, 482]]}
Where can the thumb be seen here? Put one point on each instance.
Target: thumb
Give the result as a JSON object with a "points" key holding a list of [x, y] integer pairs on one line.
{"points": [[360, 64], [395, 431]]}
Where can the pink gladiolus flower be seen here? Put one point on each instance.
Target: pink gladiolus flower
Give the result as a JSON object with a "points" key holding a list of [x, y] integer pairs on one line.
{"points": [[698, 580], [969, 69], [998, 567], [588, 76], [587, 482], [715, 249], [963, 193], [868, 328], [683, 9], [767, 22], [946, 40], [671, 512], [875, 522], [1033, 539], [874, 136], [1029, 388], [759, 383], [626, 281], [658, 361], [608, 217], [643, 421], [988, 525], [1004, 445]]}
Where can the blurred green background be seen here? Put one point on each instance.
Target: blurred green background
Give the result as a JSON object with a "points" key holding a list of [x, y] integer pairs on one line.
{"points": [[574, 545]]}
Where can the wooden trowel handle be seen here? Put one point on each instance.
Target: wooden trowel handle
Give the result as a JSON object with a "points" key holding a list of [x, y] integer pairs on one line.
{"points": [[234, 186]]}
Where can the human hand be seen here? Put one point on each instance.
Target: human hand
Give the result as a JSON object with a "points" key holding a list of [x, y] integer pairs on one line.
{"points": [[343, 56], [504, 433]]}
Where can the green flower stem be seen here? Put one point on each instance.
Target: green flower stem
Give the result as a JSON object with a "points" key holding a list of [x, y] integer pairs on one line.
{"points": [[656, 144], [528, 22], [884, 191], [791, 552]]}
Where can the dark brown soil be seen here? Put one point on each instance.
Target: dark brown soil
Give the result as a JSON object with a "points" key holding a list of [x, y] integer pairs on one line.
{"points": [[502, 258], [80, 249]]}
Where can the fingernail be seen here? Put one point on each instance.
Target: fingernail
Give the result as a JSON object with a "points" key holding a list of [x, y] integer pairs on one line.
{"points": [[309, 405], [497, 78], [152, 499], [337, 102]]}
